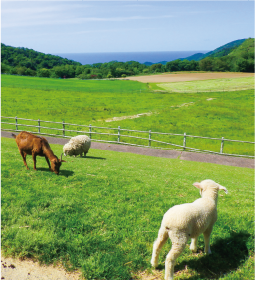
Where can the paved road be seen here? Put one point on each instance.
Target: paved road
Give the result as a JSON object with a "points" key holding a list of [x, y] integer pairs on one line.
{"points": [[183, 155]]}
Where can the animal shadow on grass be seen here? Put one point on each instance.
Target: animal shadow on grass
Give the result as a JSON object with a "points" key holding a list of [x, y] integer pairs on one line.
{"points": [[92, 157], [227, 254], [62, 172]]}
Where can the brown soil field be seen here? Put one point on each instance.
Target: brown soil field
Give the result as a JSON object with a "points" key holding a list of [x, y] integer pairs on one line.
{"points": [[185, 76]]}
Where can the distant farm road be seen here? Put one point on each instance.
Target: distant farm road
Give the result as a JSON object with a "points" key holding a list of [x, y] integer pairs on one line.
{"points": [[187, 76], [182, 155]]}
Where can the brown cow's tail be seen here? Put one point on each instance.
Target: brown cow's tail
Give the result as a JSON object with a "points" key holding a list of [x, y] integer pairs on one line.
{"points": [[14, 136]]}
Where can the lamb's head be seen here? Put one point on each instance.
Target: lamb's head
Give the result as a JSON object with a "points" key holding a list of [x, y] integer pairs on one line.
{"points": [[68, 149], [209, 186]]}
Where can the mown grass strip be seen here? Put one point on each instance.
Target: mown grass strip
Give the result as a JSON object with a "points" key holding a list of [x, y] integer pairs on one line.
{"points": [[212, 85]]}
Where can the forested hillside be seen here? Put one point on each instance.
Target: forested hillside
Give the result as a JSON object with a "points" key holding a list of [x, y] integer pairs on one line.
{"points": [[225, 49], [219, 52], [24, 61], [237, 56]]}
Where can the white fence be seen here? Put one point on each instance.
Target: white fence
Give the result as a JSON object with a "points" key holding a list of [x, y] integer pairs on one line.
{"points": [[122, 136]]}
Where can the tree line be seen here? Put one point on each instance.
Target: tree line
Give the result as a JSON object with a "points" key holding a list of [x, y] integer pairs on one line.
{"points": [[23, 61]]}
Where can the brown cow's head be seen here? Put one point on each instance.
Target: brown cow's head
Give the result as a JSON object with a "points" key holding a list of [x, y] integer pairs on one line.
{"points": [[56, 163]]}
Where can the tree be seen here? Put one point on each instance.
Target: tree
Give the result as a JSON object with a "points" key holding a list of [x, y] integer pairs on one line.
{"points": [[44, 72], [78, 70], [21, 70], [30, 72], [173, 65], [109, 75], [157, 67], [5, 68], [206, 64], [221, 64]]}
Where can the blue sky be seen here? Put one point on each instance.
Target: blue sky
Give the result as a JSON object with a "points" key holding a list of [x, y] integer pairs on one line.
{"points": [[124, 26]]}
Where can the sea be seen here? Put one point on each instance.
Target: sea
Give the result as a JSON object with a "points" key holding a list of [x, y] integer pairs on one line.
{"points": [[141, 57]]}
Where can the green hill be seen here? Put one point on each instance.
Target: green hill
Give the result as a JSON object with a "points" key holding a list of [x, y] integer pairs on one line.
{"points": [[195, 57], [245, 49], [24, 61], [225, 49], [235, 56], [219, 52], [243, 56], [30, 59]]}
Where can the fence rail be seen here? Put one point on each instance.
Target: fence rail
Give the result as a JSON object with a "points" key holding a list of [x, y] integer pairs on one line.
{"points": [[152, 139]]}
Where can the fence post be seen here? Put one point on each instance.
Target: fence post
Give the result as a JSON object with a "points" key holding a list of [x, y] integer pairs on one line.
{"points": [[184, 141], [90, 130], [118, 133], [16, 121], [149, 137], [222, 145], [63, 128], [39, 131]]}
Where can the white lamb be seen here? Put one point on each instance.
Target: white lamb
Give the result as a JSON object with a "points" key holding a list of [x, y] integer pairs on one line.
{"points": [[77, 145], [185, 221]]}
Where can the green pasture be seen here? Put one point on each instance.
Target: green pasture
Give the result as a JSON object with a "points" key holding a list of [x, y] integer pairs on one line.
{"points": [[212, 85], [101, 215], [216, 114], [74, 85]]}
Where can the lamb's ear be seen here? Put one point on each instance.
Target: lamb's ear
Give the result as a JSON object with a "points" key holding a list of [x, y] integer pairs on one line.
{"points": [[223, 188], [197, 185]]}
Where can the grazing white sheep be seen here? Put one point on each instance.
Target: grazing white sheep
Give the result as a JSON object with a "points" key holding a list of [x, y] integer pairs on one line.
{"points": [[77, 145], [185, 221]]}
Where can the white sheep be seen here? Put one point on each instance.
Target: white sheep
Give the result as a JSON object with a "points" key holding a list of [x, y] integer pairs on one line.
{"points": [[77, 145], [185, 221]]}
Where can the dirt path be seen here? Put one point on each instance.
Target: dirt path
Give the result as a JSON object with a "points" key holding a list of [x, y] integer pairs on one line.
{"points": [[16, 269], [127, 117], [181, 77]]}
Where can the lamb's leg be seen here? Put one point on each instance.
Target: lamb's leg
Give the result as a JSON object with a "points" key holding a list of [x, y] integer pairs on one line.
{"points": [[207, 235], [171, 257], [193, 244], [157, 246]]}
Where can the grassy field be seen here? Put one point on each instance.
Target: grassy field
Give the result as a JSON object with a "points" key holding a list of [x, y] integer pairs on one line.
{"points": [[216, 114], [74, 85], [101, 215], [234, 84]]}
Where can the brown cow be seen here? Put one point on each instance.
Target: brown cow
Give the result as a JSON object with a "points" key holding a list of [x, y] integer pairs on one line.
{"points": [[35, 145]]}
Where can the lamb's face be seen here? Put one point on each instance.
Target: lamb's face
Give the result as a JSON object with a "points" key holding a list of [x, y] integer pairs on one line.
{"points": [[68, 150]]}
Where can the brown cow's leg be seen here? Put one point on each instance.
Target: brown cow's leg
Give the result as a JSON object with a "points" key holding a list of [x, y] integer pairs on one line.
{"points": [[24, 155], [48, 162], [34, 159]]}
